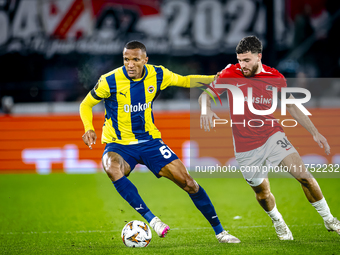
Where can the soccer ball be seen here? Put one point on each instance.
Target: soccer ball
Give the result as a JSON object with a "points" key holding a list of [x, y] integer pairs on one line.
{"points": [[136, 234]]}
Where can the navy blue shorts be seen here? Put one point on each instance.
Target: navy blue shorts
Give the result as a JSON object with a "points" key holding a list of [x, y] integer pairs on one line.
{"points": [[155, 154]]}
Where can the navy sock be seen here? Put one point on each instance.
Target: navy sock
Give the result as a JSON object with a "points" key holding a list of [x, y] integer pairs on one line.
{"points": [[129, 192], [203, 203]]}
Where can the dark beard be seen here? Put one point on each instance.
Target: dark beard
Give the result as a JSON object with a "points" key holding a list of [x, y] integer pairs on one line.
{"points": [[252, 71]]}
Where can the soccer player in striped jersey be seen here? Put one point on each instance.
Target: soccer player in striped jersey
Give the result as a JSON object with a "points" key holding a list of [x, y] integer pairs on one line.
{"points": [[131, 136]]}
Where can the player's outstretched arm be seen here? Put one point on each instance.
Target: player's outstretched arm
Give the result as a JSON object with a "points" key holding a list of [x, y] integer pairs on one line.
{"points": [[206, 121], [86, 116], [305, 121]]}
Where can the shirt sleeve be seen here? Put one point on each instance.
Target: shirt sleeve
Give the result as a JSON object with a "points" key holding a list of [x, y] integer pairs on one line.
{"points": [[85, 111], [101, 90], [227, 73], [189, 81]]}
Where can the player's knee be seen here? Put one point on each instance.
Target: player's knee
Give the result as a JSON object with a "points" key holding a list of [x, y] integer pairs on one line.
{"points": [[113, 165], [263, 195]]}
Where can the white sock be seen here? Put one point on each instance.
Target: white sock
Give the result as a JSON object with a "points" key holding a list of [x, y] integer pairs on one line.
{"points": [[322, 207], [274, 214]]}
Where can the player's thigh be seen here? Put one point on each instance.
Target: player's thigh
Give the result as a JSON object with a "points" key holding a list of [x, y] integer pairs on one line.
{"points": [[175, 171], [284, 156], [112, 161], [155, 154], [251, 165], [117, 161], [295, 166], [281, 151]]}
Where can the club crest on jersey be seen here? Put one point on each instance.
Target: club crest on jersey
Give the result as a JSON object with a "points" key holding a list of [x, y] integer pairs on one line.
{"points": [[151, 89], [269, 87]]}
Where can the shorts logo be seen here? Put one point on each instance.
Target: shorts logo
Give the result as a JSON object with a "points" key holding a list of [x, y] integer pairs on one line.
{"points": [[269, 87], [249, 181], [151, 89]]}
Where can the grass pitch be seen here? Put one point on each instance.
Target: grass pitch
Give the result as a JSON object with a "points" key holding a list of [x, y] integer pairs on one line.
{"points": [[83, 214]]}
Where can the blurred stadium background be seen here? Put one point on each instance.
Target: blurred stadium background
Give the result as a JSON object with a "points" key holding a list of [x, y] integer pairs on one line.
{"points": [[52, 53]]}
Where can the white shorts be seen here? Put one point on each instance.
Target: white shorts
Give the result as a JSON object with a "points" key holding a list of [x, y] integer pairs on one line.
{"points": [[256, 164]]}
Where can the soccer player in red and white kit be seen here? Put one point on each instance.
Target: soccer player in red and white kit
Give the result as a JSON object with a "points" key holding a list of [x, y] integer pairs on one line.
{"points": [[266, 144]]}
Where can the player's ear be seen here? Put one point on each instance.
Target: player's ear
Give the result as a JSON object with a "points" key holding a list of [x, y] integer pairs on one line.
{"points": [[146, 60], [259, 56]]}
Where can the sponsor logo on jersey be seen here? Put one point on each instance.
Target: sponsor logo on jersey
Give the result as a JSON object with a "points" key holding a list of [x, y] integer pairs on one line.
{"points": [[269, 87], [121, 93], [240, 85], [137, 107], [260, 100]]}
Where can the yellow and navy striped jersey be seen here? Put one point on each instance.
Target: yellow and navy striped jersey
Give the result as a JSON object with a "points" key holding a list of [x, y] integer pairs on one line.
{"points": [[128, 102]]}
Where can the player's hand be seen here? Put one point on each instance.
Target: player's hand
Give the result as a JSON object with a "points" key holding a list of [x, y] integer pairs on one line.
{"points": [[217, 75], [322, 142], [90, 138], [207, 120]]}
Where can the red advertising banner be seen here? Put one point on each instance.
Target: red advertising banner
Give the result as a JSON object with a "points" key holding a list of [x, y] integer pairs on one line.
{"points": [[53, 143]]}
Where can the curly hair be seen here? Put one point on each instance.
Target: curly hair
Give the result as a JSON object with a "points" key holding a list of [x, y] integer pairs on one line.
{"points": [[249, 43]]}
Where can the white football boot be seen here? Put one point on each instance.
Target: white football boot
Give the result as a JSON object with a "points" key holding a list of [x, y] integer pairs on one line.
{"points": [[333, 225], [282, 230], [225, 237], [160, 227]]}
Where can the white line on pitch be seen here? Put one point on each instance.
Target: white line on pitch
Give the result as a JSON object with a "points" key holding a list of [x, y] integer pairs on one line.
{"points": [[115, 230]]}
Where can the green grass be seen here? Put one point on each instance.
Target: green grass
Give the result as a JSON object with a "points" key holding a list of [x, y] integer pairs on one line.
{"points": [[83, 214]]}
